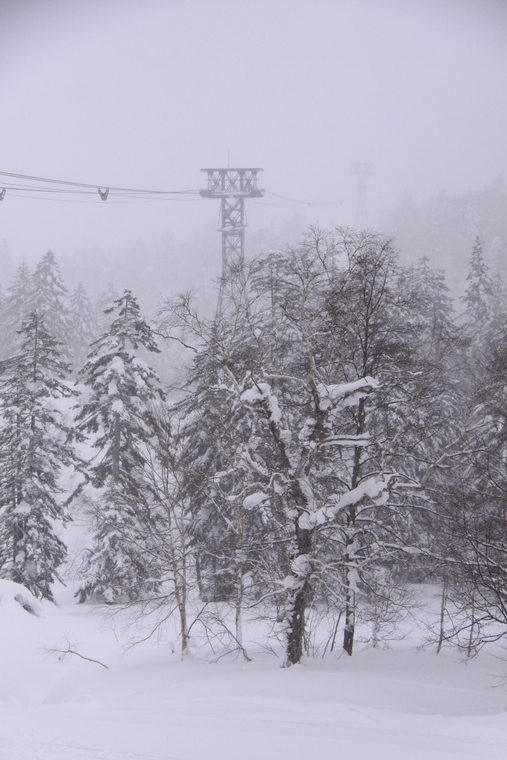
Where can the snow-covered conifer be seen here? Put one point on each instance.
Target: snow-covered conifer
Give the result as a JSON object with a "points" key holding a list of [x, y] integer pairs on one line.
{"points": [[49, 298], [33, 452], [103, 303], [15, 310], [83, 325], [122, 386], [478, 298]]}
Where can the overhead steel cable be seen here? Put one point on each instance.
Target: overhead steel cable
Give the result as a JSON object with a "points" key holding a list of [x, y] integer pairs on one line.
{"points": [[42, 188], [32, 189], [288, 200], [89, 186], [120, 199], [291, 200]]}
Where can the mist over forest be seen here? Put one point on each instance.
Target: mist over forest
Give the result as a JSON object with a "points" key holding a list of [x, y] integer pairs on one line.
{"points": [[253, 416], [442, 228]]}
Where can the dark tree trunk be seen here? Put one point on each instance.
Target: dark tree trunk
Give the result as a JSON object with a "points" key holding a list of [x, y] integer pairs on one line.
{"points": [[296, 633], [296, 618], [350, 559], [350, 597], [116, 448], [349, 630]]}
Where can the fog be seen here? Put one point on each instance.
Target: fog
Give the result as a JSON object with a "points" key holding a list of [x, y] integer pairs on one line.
{"points": [[145, 94], [325, 457]]}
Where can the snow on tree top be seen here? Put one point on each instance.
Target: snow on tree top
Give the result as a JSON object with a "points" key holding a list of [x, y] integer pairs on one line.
{"points": [[345, 394]]}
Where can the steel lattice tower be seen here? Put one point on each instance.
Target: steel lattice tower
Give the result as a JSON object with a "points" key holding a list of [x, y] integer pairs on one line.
{"points": [[232, 186]]}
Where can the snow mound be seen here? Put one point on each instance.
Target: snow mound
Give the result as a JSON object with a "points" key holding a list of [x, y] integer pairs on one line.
{"points": [[14, 593]]}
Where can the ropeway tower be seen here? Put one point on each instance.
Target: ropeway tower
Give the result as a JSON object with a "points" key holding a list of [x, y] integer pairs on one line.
{"points": [[232, 186]]}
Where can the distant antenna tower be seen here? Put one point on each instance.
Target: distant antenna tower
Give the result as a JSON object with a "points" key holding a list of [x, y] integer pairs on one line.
{"points": [[362, 172], [232, 186]]}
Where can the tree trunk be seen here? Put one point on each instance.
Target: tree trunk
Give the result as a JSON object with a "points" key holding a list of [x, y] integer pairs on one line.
{"points": [[350, 584], [443, 604], [350, 570], [350, 619], [472, 627], [198, 575], [239, 605], [116, 448], [296, 617], [296, 631], [183, 626]]}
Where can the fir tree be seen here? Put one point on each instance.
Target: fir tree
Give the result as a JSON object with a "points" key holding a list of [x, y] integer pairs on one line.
{"points": [[471, 497], [83, 325], [15, 310], [479, 294], [49, 297], [122, 387], [104, 302], [119, 565], [33, 451], [216, 433]]}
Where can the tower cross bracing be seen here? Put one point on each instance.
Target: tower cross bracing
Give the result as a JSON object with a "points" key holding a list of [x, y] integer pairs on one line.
{"points": [[232, 186]]}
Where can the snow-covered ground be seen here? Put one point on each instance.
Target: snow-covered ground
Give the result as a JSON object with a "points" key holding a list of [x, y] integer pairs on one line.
{"points": [[398, 704]]}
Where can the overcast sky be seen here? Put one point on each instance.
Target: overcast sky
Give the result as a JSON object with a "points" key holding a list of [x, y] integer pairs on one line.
{"points": [[145, 93]]}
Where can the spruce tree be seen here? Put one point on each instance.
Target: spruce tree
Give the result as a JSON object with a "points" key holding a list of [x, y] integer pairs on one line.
{"points": [[33, 452], [15, 310], [479, 294], [216, 433], [473, 493], [49, 297], [122, 387], [103, 303], [83, 323]]}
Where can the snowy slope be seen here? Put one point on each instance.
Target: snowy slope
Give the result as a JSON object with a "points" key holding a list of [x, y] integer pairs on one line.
{"points": [[398, 704]]}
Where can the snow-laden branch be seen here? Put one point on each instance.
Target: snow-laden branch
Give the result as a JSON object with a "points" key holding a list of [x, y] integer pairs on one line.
{"points": [[330, 397], [372, 489], [364, 439], [341, 395], [261, 392]]}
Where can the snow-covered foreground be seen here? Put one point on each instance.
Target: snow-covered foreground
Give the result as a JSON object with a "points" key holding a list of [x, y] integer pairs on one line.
{"points": [[401, 704]]}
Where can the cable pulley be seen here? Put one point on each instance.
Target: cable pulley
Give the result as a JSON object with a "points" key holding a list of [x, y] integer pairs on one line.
{"points": [[2, 193], [103, 193]]}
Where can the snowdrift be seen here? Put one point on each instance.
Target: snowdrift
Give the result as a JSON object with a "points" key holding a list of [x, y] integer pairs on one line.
{"points": [[146, 703]]}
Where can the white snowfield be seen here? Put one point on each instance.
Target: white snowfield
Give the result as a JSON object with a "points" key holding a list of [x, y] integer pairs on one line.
{"points": [[397, 704]]}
